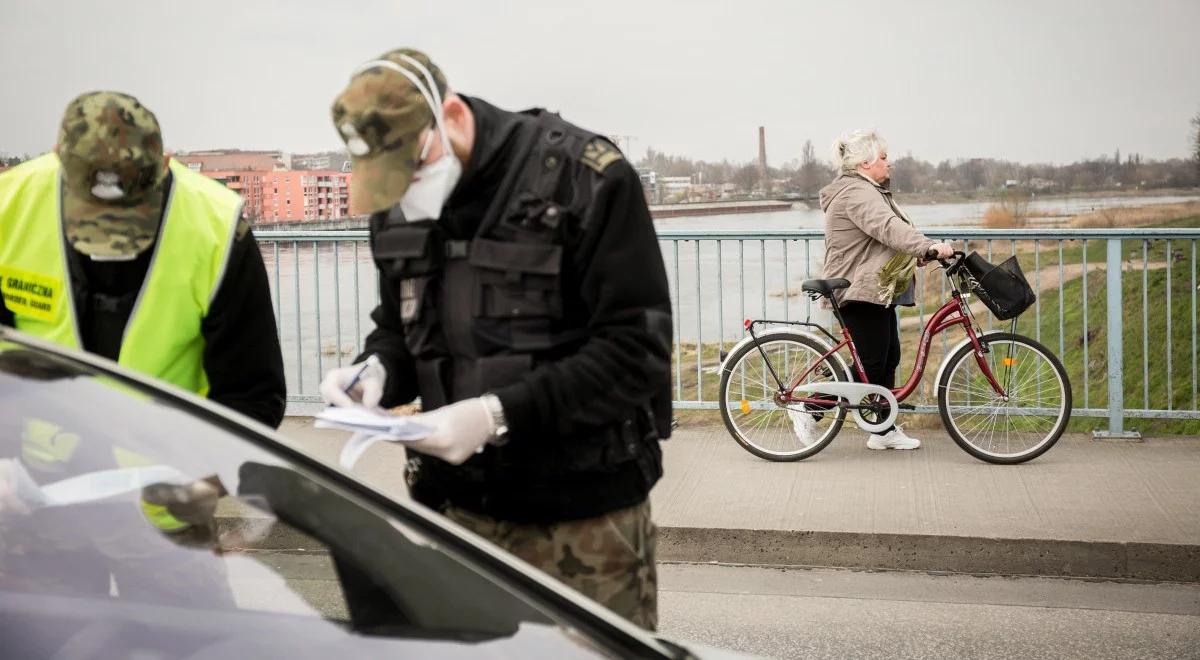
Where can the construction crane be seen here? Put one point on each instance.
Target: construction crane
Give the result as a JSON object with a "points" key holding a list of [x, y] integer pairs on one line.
{"points": [[624, 143]]}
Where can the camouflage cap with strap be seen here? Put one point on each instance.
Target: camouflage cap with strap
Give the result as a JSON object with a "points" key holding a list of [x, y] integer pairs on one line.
{"points": [[380, 116], [111, 150]]}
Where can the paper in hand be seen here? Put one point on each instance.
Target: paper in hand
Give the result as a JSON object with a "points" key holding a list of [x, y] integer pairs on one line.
{"points": [[370, 427]]}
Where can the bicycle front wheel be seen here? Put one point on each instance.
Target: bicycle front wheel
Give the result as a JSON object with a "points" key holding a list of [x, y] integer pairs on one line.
{"points": [[1015, 427], [747, 397]]}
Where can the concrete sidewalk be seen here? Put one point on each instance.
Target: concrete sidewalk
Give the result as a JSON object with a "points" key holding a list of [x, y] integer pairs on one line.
{"points": [[1085, 508]]}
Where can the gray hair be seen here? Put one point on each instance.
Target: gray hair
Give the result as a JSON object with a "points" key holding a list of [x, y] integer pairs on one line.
{"points": [[855, 147]]}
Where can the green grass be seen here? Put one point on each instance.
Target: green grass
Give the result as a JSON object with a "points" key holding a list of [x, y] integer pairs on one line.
{"points": [[1147, 384], [710, 381]]}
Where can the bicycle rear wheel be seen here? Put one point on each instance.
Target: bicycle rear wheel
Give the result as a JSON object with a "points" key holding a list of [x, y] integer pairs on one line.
{"points": [[1014, 428], [747, 397]]}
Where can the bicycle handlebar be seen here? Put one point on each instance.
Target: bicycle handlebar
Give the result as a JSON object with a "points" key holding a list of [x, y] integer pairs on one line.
{"points": [[950, 265], [931, 255]]}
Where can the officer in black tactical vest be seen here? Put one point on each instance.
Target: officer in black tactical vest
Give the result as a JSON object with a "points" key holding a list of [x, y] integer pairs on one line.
{"points": [[525, 301]]}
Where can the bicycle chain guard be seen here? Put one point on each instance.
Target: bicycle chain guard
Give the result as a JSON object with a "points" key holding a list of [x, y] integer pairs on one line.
{"points": [[856, 393]]}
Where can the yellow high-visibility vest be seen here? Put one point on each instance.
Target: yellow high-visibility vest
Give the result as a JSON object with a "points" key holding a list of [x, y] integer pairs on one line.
{"points": [[162, 338]]}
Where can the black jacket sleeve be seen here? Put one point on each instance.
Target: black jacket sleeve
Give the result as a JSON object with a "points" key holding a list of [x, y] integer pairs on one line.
{"points": [[618, 269], [241, 354], [6, 316], [387, 342]]}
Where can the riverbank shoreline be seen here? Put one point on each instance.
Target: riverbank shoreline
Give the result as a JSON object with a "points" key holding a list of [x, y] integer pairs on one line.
{"points": [[663, 211], [997, 195]]}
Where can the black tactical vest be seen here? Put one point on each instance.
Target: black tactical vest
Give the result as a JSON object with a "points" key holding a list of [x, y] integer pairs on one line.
{"points": [[479, 314]]}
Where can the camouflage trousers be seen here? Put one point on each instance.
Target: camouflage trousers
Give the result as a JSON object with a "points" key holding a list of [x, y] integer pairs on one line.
{"points": [[609, 558]]}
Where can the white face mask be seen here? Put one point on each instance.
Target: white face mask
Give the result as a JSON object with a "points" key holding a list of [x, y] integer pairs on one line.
{"points": [[432, 183]]}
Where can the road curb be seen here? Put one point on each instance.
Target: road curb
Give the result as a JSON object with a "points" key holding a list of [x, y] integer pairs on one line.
{"points": [[916, 552], [1166, 562]]}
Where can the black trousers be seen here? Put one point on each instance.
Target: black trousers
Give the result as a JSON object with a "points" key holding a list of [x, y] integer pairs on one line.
{"points": [[876, 335]]}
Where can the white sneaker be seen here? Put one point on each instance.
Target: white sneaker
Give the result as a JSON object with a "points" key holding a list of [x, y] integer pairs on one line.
{"points": [[894, 439], [804, 425]]}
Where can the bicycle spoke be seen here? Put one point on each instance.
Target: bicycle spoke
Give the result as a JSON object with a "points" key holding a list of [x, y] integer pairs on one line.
{"points": [[764, 427], [1011, 426]]}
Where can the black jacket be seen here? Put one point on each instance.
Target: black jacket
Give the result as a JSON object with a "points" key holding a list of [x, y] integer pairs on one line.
{"points": [[614, 290], [242, 358]]}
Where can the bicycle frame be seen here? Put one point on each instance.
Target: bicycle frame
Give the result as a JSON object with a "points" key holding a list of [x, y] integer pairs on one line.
{"points": [[953, 312]]}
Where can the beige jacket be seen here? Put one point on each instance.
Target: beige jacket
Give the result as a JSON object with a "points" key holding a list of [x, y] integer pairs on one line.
{"points": [[863, 230]]}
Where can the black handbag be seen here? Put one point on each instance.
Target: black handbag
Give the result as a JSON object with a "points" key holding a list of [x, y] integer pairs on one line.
{"points": [[1002, 288]]}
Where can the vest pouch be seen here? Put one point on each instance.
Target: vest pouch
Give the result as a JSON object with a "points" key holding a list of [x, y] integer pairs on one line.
{"points": [[412, 298], [517, 280], [403, 251]]}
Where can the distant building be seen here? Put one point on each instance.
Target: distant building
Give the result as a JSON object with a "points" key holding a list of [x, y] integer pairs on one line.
{"points": [[649, 180], [674, 184], [221, 160], [290, 196], [337, 161]]}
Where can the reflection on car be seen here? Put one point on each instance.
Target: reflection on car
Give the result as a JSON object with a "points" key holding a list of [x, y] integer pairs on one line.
{"points": [[140, 521]]}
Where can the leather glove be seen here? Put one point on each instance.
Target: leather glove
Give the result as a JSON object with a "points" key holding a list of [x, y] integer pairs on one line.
{"points": [[460, 430], [358, 383]]}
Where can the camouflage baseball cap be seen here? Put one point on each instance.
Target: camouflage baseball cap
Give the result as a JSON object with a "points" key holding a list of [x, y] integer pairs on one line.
{"points": [[380, 116], [111, 150]]}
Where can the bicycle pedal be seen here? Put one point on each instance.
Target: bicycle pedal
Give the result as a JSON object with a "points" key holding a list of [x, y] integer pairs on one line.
{"points": [[906, 406]]}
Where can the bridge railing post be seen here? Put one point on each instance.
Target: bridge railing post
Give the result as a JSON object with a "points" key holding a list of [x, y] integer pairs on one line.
{"points": [[1116, 349]]}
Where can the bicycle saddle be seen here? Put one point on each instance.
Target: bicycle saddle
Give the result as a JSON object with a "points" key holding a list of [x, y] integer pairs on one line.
{"points": [[824, 287]]}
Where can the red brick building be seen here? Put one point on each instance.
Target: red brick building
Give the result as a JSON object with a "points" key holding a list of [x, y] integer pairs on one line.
{"points": [[290, 196]]}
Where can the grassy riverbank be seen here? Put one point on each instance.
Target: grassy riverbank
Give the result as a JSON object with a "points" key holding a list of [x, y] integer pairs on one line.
{"points": [[1157, 313], [992, 195]]}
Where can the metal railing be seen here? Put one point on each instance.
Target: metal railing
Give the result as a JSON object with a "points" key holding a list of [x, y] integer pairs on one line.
{"points": [[1136, 287]]}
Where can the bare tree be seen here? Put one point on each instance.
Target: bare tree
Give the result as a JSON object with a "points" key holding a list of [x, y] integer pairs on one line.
{"points": [[746, 177], [813, 174], [1196, 142]]}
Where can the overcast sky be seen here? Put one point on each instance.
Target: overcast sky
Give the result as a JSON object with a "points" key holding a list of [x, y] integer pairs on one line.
{"points": [[1032, 81]]}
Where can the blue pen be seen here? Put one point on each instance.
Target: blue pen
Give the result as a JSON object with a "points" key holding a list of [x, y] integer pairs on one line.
{"points": [[354, 381]]}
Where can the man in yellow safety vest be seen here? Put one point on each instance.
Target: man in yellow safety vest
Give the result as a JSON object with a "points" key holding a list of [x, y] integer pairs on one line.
{"points": [[109, 246]]}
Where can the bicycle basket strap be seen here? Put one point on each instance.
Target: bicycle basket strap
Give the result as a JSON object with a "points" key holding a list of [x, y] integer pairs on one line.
{"points": [[1002, 288]]}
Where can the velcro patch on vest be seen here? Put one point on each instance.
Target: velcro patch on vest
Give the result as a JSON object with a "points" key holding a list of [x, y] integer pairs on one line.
{"points": [[30, 294], [599, 154]]}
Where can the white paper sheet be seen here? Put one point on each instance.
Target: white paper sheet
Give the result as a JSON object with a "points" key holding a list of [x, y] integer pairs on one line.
{"points": [[370, 427]]}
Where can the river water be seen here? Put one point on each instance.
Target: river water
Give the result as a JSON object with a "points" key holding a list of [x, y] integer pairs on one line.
{"points": [[324, 298]]}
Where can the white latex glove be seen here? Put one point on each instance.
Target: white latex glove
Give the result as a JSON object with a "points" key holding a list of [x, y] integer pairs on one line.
{"points": [[358, 383], [460, 430]]}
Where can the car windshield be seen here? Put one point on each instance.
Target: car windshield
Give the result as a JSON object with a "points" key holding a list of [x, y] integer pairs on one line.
{"points": [[132, 526]]}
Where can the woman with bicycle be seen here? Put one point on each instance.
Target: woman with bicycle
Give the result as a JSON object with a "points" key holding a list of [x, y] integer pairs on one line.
{"points": [[870, 242], [786, 390]]}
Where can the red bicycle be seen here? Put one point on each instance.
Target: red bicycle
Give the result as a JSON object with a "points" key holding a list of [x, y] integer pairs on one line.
{"points": [[785, 391]]}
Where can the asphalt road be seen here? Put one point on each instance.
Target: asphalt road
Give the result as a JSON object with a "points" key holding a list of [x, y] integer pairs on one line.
{"points": [[838, 613], [830, 613]]}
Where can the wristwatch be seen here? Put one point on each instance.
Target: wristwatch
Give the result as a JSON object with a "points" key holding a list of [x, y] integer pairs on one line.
{"points": [[499, 423]]}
